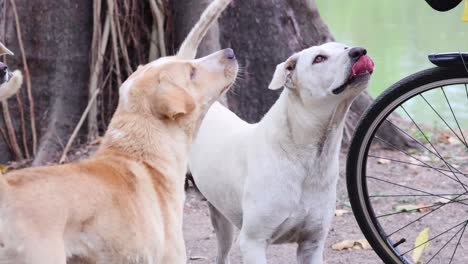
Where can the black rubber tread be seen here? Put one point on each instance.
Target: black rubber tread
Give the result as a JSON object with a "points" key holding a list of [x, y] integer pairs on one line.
{"points": [[381, 102]]}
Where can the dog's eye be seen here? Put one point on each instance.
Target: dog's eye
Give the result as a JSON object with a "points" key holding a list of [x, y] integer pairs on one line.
{"points": [[192, 72], [319, 59]]}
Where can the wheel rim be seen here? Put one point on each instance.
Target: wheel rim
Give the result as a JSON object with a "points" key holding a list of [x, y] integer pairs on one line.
{"points": [[385, 238]]}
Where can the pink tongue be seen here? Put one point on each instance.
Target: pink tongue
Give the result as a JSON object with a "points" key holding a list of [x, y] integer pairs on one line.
{"points": [[363, 65]]}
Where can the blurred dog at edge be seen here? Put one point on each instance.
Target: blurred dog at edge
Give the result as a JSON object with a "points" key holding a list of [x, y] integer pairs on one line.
{"points": [[10, 82], [276, 180], [124, 204]]}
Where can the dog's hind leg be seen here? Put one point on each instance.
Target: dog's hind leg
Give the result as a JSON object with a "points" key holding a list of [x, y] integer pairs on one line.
{"points": [[224, 234]]}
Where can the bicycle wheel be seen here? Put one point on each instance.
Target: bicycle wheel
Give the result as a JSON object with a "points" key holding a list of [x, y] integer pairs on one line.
{"points": [[412, 202]]}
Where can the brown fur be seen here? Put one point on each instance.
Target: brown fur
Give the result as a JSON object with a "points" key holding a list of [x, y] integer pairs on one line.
{"points": [[124, 204]]}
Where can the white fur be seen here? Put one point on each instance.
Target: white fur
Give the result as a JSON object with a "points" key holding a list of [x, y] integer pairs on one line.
{"points": [[276, 180], [11, 85], [188, 49], [117, 134]]}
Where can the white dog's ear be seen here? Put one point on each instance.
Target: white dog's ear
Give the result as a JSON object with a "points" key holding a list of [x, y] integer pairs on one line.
{"points": [[283, 72]]}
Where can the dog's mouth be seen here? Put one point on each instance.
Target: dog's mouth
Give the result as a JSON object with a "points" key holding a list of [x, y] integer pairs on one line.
{"points": [[231, 73], [226, 88], [361, 70]]}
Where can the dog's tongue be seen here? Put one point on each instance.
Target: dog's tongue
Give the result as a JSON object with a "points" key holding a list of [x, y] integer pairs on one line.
{"points": [[363, 65]]}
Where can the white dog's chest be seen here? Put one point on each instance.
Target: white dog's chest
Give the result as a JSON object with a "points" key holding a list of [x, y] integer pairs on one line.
{"points": [[310, 217], [307, 200]]}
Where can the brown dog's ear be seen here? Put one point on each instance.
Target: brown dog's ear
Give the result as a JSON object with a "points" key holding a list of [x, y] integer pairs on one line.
{"points": [[283, 72], [172, 101]]}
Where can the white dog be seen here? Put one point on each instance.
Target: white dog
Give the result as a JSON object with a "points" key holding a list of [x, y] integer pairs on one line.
{"points": [[276, 180], [10, 82]]}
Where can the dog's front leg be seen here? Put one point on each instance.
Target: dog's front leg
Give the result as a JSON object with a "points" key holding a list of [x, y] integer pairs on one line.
{"points": [[253, 248], [310, 251], [49, 250]]}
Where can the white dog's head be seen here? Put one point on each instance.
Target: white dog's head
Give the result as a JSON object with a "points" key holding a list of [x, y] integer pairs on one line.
{"points": [[332, 71], [5, 74]]}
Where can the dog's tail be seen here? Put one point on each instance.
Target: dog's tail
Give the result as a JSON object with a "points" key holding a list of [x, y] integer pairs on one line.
{"points": [[188, 49], [5, 50], [3, 186], [12, 86]]}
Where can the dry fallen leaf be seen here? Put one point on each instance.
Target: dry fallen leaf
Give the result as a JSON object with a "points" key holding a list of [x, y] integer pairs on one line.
{"points": [[454, 141], [383, 161], [345, 244], [406, 208], [198, 258], [351, 244], [420, 245], [424, 208], [4, 168], [340, 212], [444, 138], [444, 200]]}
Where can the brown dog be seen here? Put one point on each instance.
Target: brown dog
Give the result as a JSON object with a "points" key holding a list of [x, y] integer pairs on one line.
{"points": [[124, 205]]}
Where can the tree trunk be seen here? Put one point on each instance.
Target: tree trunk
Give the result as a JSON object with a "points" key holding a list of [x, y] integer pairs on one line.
{"points": [[57, 38], [264, 33]]}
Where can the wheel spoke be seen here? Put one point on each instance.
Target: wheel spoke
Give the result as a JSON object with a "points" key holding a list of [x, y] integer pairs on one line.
{"points": [[415, 164], [453, 114], [466, 90], [449, 166], [443, 120], [419, 142], [446, 243], [414, 189], [406, 153], [429, 240], [416, 195], [419, 208], [417, 219], [458, 242]]}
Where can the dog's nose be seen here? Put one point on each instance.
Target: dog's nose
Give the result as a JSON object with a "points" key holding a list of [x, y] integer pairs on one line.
{"points": [[229, 53], [356, 53], [3, 69]]}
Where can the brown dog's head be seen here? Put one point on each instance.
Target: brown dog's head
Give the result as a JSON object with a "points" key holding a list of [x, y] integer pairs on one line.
{"points": [[179, 91]]}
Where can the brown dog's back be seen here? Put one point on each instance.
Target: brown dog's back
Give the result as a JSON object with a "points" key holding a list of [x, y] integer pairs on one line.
{"points": [[107, 204]]}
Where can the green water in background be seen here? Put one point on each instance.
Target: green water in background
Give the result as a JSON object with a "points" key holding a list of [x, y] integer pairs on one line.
{"points": [[399, 34]]}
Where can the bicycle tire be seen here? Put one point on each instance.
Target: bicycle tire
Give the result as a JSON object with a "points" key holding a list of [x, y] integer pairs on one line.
{"points": [[356, 164]]}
